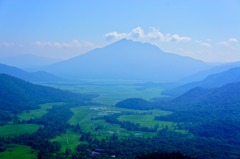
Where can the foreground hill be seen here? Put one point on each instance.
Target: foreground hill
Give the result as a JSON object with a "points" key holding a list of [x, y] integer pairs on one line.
{"points": [[18, 95], [39, 76], [128, 60], [212, 81], [212, 113], [135, 103], [206, 104], [226, 97]]}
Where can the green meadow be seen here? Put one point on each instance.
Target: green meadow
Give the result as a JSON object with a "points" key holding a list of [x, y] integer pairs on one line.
{"points": [[37, 113], [147, 121], [69, 140], [89, 116], [18, 152], [18, 129], [109, 95], [84, 115], [113, 92]]}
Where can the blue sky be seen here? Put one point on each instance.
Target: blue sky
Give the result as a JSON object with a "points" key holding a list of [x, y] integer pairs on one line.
{"points": [[204, 29]]}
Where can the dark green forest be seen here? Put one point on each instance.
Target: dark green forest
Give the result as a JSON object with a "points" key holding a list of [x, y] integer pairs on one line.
{"points": [[18, 95]]}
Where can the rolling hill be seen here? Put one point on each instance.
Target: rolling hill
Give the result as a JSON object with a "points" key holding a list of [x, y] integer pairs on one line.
{"points": [[39, 76], [214, 70], [225, 97], [212, 81], [207, 103], [210, 112], [17, 95], [201, 105], [128, 60], [135, 103]]}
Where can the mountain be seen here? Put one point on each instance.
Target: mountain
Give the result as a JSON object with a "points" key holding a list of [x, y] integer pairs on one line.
{"points": [[27, 61], [128, 60], [211, 112], [212, 81], [203, 74], [18, 95], [39, 76], [135, 103], [205, 104], [199, 99]]}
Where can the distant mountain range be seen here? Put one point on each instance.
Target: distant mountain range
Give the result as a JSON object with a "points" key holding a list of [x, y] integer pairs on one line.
{"points": [[128, 60], [27, 61], [203, 74], [212, 81], [39, 76]]}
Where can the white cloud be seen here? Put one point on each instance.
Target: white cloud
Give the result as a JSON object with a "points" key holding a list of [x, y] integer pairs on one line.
{"points": [[155, 34], [137, 32], [205, 44], [231, 42], [115, 36], [7, 44], [65, 45], [152, 35], [178, 38]]}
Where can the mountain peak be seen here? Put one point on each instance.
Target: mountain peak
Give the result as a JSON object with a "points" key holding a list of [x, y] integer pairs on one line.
{"points": [[134, 46], [129, 41], [125, 41], [128, 60]]}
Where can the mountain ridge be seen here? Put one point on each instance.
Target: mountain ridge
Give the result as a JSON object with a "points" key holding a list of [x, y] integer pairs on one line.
{"points": [[18, 95], [39, 76], [212, 81], [31, 62], [130, 60]]}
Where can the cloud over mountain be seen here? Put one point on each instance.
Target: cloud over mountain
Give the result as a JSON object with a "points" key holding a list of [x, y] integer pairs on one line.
{"points": [[70, 44], [128, 60], [153, 35]]}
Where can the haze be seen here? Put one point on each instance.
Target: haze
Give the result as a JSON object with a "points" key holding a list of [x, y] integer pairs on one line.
{"points": [[206, 30], [127, 79]]}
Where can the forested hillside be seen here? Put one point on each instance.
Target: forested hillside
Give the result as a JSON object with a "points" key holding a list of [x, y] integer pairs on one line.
{"points": [[211, 81], [38, 76], [18, 95], [135, 103], [212, 113]]}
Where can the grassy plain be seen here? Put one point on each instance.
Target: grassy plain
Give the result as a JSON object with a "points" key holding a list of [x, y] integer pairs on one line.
{"points": [[69, 140], [111, 92], [37, 113], [18, 152], [84, 115], [148, 121], [18, 129]]}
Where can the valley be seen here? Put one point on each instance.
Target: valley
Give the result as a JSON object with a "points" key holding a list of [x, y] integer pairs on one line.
{"points": [[89, 125], [90, 118], [60, 116], [119, 79]]}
